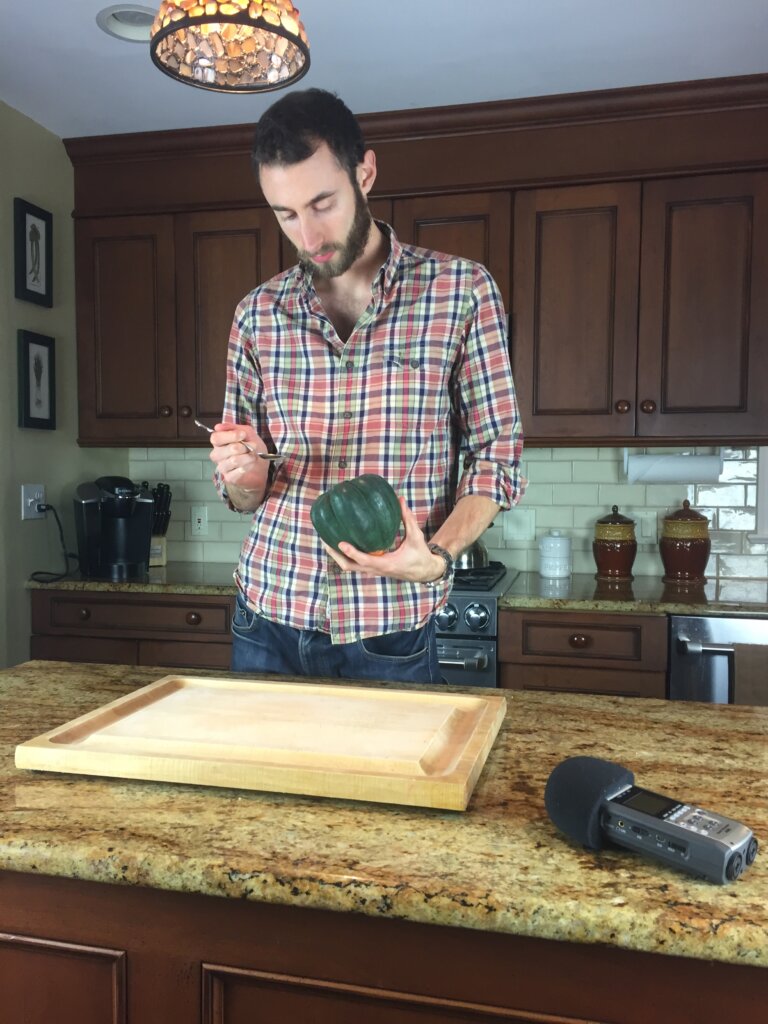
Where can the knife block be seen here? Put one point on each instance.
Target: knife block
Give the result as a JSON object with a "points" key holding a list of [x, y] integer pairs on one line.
{"points": [[158, 552]]}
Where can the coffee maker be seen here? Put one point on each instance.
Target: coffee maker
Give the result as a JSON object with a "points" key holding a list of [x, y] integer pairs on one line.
{"points": [[113, 521]]}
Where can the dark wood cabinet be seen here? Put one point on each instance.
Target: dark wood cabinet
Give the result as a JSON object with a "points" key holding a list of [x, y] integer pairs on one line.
{"points": [[126, 329], [88, 953], [703, 326], [571, 652], [155, 300], [476, 226], [177, 630], [574, 309], [642, 315]]}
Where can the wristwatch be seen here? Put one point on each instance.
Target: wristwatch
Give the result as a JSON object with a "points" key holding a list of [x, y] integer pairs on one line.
{"points": [[447, 557]]}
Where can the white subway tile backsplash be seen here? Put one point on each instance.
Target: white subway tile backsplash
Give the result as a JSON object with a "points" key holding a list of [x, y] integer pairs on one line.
{"points": [[569, 489], [178, 469]]}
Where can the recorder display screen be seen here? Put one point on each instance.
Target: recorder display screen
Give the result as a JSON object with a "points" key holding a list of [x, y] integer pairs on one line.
{"points": [[647, 802]]}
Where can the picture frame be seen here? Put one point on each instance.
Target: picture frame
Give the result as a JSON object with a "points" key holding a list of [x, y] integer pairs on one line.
{"points": [[37, 381], [33, 253]]}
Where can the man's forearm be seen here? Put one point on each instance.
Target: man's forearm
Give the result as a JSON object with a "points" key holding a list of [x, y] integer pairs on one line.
{"points": [[245, 500], [471, 516]]}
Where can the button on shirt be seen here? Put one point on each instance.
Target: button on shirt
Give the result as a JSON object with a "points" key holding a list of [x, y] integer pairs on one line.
{"points": [[425, 364]]}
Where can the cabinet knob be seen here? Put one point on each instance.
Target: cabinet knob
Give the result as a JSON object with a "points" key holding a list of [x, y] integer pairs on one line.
{"points": [[623, 405], [647, 405], [579, 641], [85, 614], [166, 411], [194, 618], [185, 411]]}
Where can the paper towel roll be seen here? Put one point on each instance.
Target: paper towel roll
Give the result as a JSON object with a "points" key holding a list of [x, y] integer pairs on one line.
{"points": [[673, 469]]}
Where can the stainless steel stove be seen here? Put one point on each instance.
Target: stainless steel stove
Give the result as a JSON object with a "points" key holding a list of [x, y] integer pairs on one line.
{"points": [[467, 625]]}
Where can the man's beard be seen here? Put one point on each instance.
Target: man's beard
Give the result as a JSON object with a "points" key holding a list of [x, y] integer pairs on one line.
{"points": [[346, 252]]}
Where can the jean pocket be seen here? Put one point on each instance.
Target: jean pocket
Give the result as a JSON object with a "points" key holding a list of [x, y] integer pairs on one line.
{"points": [[403, 646], [244, 619]]}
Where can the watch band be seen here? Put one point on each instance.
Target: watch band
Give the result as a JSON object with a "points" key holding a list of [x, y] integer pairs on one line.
{"points": [[447, 575]]}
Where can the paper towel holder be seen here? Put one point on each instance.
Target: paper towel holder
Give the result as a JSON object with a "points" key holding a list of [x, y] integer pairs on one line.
{"points": [[681, 467]]}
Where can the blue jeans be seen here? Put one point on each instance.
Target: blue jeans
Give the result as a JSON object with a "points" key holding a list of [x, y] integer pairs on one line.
{"points": [[259, 645]]}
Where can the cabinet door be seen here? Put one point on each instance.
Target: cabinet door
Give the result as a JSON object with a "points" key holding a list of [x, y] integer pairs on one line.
{"points": [[126, 330], [574, 332], [703, 349], [476, 226], [221, 255]]}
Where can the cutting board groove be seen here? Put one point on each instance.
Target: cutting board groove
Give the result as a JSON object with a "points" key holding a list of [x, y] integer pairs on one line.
{"points": [[415, 747]]}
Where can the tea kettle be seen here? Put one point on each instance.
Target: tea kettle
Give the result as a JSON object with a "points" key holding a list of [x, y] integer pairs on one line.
{"points": [[473, 557]]}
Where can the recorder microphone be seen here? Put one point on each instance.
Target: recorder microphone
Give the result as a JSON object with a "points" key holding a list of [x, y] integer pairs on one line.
{"points": [[595, 802]]}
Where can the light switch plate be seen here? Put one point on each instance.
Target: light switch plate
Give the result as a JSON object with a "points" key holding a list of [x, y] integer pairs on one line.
{"points": [[646, 524], [519, 524]]}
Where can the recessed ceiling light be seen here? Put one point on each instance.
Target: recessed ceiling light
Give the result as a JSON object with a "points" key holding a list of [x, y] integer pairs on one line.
{"points": [[130, 22]]}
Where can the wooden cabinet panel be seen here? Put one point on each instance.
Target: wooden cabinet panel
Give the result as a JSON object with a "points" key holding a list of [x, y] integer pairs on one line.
{"points": [[557, 679], [181, 655], [703, 344], [155, 301], [592, 653], [220, 257], [42, 981], [574, 337], [177, 630], [126, 329], [84, 648], [475, 226], [242, 997]]}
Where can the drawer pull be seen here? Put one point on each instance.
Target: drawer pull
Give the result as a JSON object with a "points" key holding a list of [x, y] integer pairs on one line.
{"points": [[579, 641], [194, 618], [85, 614]]}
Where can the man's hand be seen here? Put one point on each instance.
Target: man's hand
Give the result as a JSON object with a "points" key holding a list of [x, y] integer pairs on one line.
{"points": [[241, 470]]}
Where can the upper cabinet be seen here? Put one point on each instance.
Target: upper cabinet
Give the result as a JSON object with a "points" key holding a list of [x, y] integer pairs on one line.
{"points": [[626, 230], [155, 300], [473, 225], [638, 310]]}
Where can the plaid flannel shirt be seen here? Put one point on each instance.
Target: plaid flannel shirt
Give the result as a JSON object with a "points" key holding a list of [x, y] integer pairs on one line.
{"points": [[424, 371]]}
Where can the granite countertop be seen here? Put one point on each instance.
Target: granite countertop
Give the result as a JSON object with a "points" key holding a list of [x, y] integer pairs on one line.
{"points": [[499, 866], [643, 595], [580, 592]]}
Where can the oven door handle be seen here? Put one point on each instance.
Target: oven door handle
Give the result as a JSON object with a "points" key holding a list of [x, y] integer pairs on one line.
{"points": [[687, 646], [474, 663]]}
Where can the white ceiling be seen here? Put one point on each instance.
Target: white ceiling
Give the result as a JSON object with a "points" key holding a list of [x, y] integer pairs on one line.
{"points": [[61, 70]]}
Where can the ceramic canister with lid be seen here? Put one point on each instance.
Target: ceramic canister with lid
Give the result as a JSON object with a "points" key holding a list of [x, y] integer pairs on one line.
{"points": [[555, 555], [685, 545], [614, 546]]}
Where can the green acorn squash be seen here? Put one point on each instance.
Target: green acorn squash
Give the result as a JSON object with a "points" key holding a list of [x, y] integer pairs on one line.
{"points": [[363, 511]]}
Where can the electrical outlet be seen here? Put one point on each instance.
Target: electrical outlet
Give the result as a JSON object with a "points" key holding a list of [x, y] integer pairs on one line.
{"points": [[199, 516], [646, 524], [32, 495]]}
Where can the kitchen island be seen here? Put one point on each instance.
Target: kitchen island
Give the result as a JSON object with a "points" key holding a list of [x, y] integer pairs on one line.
{"points": [[153, 903]]}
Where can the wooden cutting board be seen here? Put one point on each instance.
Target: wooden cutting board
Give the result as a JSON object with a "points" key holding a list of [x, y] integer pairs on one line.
{"points": [[413, 747]]}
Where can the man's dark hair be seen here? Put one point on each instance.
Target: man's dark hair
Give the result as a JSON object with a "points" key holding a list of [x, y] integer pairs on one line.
{"points": [[291, 130]]}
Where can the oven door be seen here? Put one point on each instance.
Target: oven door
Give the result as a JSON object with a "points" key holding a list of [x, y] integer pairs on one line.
{"points": [[467, 662]]}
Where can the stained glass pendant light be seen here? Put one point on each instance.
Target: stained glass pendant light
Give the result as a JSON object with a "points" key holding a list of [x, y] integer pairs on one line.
{"points": [[230, 45]]}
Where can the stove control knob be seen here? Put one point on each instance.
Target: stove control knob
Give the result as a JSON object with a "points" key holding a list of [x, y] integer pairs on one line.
{"points": [[447, 617], [477, 616]]}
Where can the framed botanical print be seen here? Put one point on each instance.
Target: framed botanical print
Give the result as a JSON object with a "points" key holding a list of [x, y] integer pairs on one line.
{"points": [[33, 253], [37, 381]]}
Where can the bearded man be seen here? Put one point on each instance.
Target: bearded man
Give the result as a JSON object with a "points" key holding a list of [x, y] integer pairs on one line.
{"points": [[368, 356]]}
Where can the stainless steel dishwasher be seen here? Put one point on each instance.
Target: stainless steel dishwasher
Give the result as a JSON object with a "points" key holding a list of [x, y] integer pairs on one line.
{"points": [[721, 659]]}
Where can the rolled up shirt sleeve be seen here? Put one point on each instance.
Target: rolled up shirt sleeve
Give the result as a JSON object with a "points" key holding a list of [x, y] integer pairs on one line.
{"points": [[487, 411]]}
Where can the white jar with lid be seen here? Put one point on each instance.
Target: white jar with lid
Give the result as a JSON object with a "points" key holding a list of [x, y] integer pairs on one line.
{"points": [[555, 555]]}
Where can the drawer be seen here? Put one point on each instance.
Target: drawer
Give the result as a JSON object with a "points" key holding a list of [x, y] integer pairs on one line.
{"points": [[172, 616], [636, 642]]}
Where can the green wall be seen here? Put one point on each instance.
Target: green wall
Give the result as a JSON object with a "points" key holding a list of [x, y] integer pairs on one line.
{"points": [[34, 166]]}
